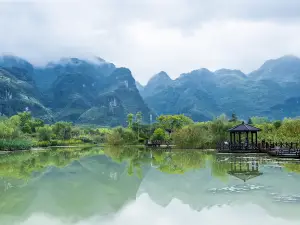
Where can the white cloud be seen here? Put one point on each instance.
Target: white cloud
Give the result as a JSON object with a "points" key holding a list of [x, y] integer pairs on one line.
{"points": [[152, 35], [145, 211]]}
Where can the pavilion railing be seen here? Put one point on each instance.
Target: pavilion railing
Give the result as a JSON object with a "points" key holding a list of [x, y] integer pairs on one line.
{"points": [[263, 146], [227, 146]]}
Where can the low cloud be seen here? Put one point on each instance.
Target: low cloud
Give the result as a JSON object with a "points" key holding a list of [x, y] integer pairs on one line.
{"points": [[150, 35]]}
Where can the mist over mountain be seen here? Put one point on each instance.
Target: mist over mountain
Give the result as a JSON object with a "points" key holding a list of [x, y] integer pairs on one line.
{"points": [[71, 89], [97, 92]]}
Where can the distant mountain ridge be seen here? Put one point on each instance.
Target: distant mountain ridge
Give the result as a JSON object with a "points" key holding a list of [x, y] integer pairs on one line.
{"points": [[204, 94], [71, 89], [97, 92], [156, 83]]}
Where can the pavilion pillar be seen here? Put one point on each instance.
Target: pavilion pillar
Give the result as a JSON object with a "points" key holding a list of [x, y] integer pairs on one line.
{"points": [[234, 137], [256, 139], [247, 139], [252, 141], [230, 138], [240, 138]]}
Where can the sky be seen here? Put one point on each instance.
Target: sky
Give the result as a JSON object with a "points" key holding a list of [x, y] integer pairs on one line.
{"points": [[149, 36]]}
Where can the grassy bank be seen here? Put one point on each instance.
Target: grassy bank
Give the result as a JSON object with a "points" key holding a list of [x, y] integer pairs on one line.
{"points": [[11, 145]]}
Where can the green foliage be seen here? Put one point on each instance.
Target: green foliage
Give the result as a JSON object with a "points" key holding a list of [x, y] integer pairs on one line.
{"points": [[76, 132], [184, 133], [70, 142], [250, 121], [6, 132], [25, 120], [130, 120], [62, 130], [44, 133], [15, 120], [13, 145], [9, 129], [234, 118], [193, 136], [173, 122], [114, 138], [219, 128], [259, 120], [138, 120], [159, 135], [35, 124], [277, 124], [121, 136], [138, 117]]}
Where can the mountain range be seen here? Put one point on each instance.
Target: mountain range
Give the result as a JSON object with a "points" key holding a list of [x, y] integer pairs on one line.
{"points": [[71, 89], [97, 92], [270, 91]]}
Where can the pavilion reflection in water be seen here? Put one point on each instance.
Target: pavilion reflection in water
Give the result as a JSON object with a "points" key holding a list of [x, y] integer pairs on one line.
{"points": [[244, 169]]}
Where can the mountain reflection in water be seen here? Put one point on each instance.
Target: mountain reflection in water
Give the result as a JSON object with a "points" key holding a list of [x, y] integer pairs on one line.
{"points": [[131, 186]]}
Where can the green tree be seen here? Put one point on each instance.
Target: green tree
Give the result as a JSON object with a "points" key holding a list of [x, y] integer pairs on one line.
{"points": [[259, 120], [44, 133], [62, 130], [159, 135], [25, 122], [114, 138], [277, 124], [15, 120], [130, 120], [6, 132], [76, 131], [35, 124], [250, 121], [234, 118], [173, 122], [138, 119]]}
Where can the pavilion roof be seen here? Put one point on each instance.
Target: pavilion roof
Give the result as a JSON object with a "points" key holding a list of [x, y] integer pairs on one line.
{"points": [[245, 175], [244, 128]]}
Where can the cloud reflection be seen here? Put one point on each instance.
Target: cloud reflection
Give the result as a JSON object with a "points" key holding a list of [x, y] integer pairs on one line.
{"points": [[145, 211]]}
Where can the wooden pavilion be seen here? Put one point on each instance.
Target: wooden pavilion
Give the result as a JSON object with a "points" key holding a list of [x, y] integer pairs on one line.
{"points": [[239, 139], [236, 133]]}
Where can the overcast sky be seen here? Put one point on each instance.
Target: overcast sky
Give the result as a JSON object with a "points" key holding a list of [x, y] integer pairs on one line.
{"points": [[148, 36]]}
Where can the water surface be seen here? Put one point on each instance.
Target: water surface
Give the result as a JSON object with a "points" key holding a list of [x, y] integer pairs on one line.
{"points": [[129, 186]]}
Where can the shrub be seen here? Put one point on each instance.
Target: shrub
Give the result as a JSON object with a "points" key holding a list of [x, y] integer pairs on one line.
{"points": [[66, 142], [277, 124], [44, 133], [141, 140], [59, 143], [76, 132], [99, 138], [193, 136], [13, 145], [6, 132], [114, 138], [85, 139], [62, 130], [159, 135], [128, 136], [43, 143]]}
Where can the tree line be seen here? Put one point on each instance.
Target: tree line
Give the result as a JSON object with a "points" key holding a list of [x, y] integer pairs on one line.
{"points": [[22, 131]]}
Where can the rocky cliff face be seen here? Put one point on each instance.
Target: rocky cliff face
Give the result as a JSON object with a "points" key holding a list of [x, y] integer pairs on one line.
{"points": [[203, 94], [18, 95], [71, 89]]}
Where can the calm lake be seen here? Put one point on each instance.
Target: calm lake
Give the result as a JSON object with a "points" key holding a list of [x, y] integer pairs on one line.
{"points": [[132, 187]]}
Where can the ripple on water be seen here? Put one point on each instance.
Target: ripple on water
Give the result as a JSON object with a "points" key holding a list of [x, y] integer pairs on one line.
{"points": [[286, 198], [237, 188]]}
